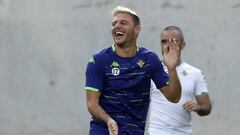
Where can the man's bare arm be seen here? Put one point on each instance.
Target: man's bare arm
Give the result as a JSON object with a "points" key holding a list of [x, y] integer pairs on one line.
{"points": [[173, 90], [98, 112], [202, 105], [171, 58]]}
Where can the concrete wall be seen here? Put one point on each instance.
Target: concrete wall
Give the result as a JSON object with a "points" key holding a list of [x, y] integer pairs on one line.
{"points": [[45, 46]]}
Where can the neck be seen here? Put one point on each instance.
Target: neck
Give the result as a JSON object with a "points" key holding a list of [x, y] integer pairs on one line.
{"points": [[126, 51]]}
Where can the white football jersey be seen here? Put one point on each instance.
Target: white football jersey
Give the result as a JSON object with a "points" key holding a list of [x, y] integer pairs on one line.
{"points": [[170, 118]]}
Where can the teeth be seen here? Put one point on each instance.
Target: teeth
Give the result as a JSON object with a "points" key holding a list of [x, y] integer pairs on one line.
{"points": [[119, 33]]}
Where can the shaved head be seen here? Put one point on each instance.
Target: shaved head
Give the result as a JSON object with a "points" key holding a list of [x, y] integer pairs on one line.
{"points": [[175, 28]]}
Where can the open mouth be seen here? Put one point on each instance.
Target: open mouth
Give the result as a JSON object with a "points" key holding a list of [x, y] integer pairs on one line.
{"points": [[117, 34]]}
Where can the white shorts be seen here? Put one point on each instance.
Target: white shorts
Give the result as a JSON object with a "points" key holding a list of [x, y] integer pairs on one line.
{"points": [[168, 131]]}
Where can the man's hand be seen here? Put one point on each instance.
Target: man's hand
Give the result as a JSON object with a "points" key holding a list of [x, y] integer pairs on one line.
{"points": [[190, 106], [112, 127], [171, 54]]}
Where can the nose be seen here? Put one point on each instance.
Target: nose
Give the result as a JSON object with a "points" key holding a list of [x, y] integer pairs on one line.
{"points": [[117, 25]]}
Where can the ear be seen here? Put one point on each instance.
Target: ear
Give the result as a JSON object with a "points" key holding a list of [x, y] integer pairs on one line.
{"points": [[183, 44], [138, 29]]}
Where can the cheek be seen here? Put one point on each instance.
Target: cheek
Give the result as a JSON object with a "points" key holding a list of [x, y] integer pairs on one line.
{"points": [[112, 30], [130, 33], [162, 48]]}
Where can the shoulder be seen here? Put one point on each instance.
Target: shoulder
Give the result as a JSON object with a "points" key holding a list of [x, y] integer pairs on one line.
{"points": [[147, 52], [99, 58], [192, 69], [102, 53], [144, 50]]}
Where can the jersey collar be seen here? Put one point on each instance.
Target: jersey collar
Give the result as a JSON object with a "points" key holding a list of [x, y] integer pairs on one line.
{"points": [[114, 49]]}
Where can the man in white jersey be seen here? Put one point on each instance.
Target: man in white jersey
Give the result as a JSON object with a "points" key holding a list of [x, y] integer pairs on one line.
{"points": [[168, 118]]}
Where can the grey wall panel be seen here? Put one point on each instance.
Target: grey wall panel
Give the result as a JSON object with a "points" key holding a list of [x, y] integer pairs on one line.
{"points": [[45, 46]]}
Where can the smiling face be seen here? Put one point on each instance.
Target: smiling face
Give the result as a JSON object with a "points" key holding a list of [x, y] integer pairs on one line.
{"points": [[124, 30]]}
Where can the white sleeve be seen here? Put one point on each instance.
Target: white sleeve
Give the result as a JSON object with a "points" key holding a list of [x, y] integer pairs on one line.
{"points": [[201, 84], [153, 86]]}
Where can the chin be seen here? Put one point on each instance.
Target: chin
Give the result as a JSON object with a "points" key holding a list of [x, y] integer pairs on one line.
{"points": [[119, 43]]}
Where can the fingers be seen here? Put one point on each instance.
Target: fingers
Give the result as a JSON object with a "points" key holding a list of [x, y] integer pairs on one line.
{"points": [[173, 40], [173, 44], [190, 106], [113, 128], [169, 45], [166, 49]]}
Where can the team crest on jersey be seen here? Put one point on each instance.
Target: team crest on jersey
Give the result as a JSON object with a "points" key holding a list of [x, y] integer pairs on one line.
{"points": [[184, 73], [140, 63]]}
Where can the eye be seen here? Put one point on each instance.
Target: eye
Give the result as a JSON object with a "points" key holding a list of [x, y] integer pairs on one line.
{"points": [[124, 22], [114, 23], [163, 41]]}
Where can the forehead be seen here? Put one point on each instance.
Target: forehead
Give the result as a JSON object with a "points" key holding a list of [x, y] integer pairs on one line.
{"points": [[122, 16], [170, 34]]}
